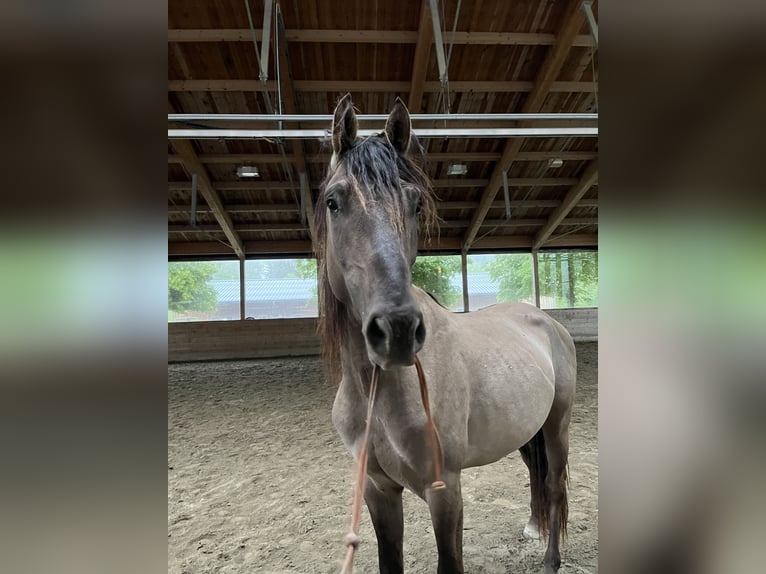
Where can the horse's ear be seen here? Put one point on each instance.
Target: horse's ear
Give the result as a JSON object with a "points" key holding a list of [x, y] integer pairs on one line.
{"points": [[344, 125], [398, 127]]}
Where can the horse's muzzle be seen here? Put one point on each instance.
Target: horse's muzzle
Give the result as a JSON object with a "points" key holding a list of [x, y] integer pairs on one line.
{"points": [[394, 338]]}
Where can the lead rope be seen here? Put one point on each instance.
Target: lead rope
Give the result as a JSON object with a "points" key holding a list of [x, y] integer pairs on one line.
{"points": [[351, 539]]}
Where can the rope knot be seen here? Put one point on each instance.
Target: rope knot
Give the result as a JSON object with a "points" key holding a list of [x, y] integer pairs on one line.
{"points": [[352, 540]]}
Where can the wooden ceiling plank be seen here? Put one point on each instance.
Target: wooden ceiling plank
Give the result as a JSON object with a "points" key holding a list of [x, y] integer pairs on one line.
{"points": [[574, 20], [589, 177]]}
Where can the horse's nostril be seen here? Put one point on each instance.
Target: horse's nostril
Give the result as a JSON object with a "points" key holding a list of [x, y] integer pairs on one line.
{"points": [[377, 332], [420, 334], [395, 336]]}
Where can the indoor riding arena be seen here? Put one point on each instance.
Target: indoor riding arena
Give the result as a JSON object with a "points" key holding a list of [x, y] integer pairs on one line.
{"points": [[502, 98]]}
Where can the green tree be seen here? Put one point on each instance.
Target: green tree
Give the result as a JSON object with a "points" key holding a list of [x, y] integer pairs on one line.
{"points": [[513, 273], [188, 289], [570, 278], [433, 274], [306, 268]]}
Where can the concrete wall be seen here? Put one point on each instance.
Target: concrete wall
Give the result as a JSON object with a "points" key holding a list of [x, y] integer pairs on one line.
{"points": [[216, 340], [582, 323]]}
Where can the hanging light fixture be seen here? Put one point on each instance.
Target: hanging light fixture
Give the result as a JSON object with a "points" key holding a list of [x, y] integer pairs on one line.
{"points": [[248, 171], [555, 162], [457, 169]]}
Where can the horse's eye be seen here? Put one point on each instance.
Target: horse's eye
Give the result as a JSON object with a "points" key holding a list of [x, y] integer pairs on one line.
{"points": [[332, 205], [419, 206]]}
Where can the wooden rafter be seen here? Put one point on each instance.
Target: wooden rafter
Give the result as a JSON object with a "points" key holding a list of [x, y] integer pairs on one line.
{"points": [[379, 86], [465, 157], [455, 183], [186, 151], [449, 224], [442, 205], [443, 244], [589, 177], [545, 79], [373, 37], [420, 63], [288, 92]]}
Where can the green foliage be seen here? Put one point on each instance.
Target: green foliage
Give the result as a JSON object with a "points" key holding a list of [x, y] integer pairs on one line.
{"points": [[306, 268], [188, 289], [513, 273], [571, 278], [433, 274]]}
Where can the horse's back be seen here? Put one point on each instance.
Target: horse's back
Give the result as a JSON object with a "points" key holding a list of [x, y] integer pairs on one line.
{"points": [[537, 329], [521, 323]]}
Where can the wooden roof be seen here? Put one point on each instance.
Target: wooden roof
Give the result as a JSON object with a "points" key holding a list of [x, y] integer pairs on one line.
{"points": [[504, 57]]}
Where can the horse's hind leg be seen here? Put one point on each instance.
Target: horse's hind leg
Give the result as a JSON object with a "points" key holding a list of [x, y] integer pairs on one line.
{"points": [[446, 506], [556, 434], [384, 501], [546, 457], [531, 457]]}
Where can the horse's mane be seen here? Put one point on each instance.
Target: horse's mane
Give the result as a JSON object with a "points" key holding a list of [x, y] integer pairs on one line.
{"points": [[379, 171]]}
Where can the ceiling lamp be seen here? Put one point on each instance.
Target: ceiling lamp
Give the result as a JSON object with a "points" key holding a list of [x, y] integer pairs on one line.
{"points": [[248, 171], [555, 162], [457, 169]]}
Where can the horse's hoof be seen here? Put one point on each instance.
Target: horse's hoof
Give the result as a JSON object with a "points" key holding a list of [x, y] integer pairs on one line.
{"points": [[531, 532]]}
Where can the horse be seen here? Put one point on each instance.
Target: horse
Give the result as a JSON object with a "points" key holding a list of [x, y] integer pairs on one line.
{"points": [[501, 379]]}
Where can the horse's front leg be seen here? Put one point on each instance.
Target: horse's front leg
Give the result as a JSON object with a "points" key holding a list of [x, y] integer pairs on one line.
{"points": [[384, 501], [446, 506]]}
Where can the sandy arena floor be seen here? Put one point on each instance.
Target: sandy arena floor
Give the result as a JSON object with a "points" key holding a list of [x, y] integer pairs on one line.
{"points": [[258, 480]]}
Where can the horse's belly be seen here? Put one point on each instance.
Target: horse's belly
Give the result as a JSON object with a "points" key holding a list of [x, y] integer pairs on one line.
{"points": [[502, 421]]}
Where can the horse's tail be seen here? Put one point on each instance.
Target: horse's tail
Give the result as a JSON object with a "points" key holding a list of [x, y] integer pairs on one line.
{"points": [[534, 452]]}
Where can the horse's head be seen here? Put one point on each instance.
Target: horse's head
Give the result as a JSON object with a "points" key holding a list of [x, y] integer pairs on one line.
{"points": [[372, 199]]}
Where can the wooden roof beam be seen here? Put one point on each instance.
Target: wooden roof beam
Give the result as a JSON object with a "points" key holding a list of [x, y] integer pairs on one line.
{"points": [[466, 157], [377, 86], [515, 204], [443, 205], [288, 88], [420, 63], [550, 69], [189, 156], [455, 183], [589, 177], [242, 208], [449, 245], [448, 224], [345, 36]]}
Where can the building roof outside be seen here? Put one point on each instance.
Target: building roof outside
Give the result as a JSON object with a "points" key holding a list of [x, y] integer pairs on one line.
{"points": [[305, 289]]}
